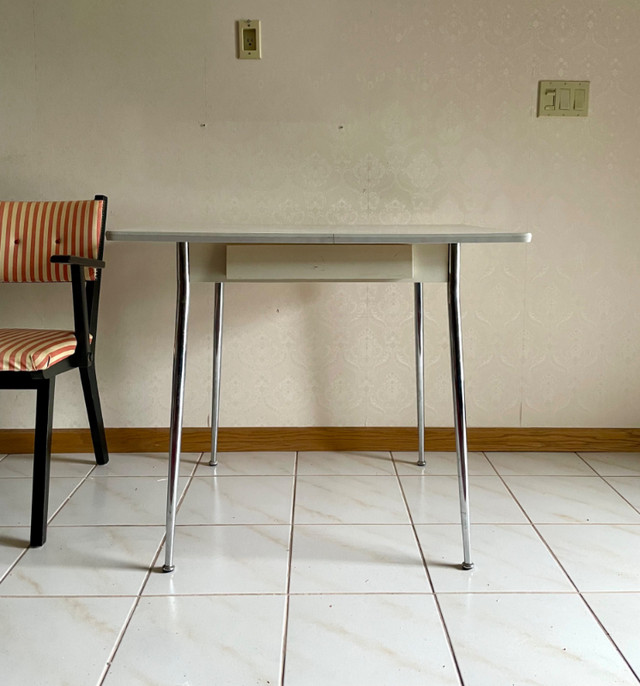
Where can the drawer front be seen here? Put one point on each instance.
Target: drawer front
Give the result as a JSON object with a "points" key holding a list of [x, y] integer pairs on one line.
{"points": [[281, 263]]}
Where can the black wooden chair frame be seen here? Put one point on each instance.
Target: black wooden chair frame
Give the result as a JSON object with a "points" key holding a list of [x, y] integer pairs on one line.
{"points": [[86, 296]]}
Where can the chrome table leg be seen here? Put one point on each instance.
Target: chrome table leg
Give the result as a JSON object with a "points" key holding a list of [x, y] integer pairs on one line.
{"points": [[217, 366], [457, 378], [419, 325], [177, 395]]}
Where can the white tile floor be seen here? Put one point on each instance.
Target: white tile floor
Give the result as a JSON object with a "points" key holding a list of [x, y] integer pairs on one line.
{"points": [[325, 568]]}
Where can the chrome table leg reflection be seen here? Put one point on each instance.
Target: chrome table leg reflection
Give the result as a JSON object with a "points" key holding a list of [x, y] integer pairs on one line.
{"points": [[218, 306], [177, 395], [419, 326], [457, 379]]}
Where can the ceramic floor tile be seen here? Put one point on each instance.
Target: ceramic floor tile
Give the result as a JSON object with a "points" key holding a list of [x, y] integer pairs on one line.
{"points": [[362, 609], [248, 463], [145, 464], [441, 464], [86, 561], [59, 640], [377, 640], [70, 465], [332, 462], [221, 640], [13, 542], [597, 557], [356, 559], [225, 559], [535, 464], [114, 500], [531, 640], [619, 614], [570, 499], [238, 500], [628, 487], [15, 498], [614, 464], [434, 500], [507, 558], [349, 500]]}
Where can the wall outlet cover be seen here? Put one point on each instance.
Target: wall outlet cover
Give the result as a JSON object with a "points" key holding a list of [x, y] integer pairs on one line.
{"points": [[249, 40]]}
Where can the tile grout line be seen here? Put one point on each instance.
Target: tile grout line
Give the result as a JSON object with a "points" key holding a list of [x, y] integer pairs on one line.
{"points": [[322, 593], [535, 527], [593, 469], [127, 622], [608, 635], [12, 566], [571, 581], [429, 579], [412, 524], [577, 476], [617, 492], [73, 492], [112, 654], [254, 594], [287, 595]]}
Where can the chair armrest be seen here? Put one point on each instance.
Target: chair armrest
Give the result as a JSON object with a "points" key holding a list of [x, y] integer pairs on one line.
{"points": [[80, 261]]}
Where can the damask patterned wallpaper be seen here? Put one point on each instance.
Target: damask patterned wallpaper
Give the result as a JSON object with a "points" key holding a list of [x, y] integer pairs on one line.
{"points": [[361, 111]]}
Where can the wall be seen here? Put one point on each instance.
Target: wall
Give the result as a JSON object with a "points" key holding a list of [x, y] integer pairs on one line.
{"points": [[367, 111]]}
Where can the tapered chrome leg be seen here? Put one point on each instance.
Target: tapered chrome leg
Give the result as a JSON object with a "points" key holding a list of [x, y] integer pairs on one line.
{"points": [[177, 395], [419, 324], [457, 378], [218, 306]]}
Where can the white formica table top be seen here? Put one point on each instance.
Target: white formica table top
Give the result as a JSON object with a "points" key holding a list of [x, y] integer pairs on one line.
{"points": [[387, 234]]}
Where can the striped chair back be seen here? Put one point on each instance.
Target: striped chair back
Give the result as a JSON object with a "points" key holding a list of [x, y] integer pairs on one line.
{"points": [[31, 232]]}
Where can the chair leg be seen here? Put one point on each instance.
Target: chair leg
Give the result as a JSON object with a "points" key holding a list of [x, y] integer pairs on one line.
{"points": [[94, 412], [457, 378], [419, 325], [42, 462], [217, 367]]}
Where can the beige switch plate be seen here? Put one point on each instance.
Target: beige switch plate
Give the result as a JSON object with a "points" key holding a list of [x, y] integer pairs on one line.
{"points": [[563, 98], [249, 40]]}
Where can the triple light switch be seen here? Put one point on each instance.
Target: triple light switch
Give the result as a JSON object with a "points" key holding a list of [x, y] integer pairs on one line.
{"points": [[563, 98]]}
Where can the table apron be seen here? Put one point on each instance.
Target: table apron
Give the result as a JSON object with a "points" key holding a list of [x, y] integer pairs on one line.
{"points": [[418, 263]]}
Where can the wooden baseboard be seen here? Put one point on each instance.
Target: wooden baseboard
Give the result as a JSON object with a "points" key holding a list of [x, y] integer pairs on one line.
{"points": [[126, 440]]}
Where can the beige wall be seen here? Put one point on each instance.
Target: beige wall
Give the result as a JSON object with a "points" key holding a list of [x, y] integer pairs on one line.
{"points": [[365, 111]]}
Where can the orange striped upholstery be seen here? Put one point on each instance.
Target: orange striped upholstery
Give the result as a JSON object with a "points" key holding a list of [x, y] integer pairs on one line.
{"points": [[31, 232], [31, 350]]}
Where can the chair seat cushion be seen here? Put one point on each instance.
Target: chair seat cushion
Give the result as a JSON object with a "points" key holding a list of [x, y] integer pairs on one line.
{"points": [[32, 350]]}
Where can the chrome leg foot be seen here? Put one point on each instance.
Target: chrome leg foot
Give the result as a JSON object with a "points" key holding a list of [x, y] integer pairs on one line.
{"points": [[217, 366], [457, 379], [419, 335]]}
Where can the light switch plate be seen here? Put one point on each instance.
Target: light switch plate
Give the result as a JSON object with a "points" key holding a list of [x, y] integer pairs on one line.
{"points": [[249, 40], [563, 98]]}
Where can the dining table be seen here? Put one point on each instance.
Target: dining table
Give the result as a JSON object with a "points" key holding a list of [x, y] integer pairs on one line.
{"points": [[224, 253]]}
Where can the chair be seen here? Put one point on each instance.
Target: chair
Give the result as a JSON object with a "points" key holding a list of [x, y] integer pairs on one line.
{"points": [[53, 242]]}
